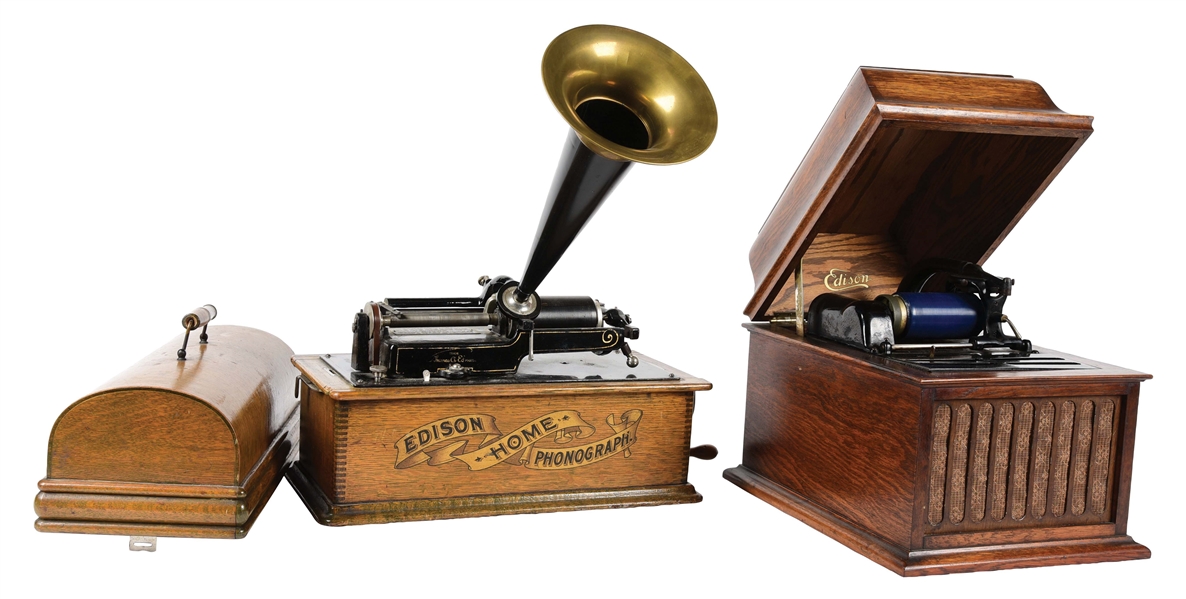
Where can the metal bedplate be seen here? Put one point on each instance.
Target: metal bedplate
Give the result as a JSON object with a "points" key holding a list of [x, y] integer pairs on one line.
{"points": [[977, 362], [546, 368]]}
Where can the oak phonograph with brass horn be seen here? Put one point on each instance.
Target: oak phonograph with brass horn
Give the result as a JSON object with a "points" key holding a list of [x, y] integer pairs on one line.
{"points": [[513, 401], [628, 99]]}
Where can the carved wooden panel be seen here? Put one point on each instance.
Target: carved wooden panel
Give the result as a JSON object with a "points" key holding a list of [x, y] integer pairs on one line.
{"points": [[1043, 460]]}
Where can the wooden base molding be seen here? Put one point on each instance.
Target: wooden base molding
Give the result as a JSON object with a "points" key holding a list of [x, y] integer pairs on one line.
{"points": [[962, 558], [377, 512]]}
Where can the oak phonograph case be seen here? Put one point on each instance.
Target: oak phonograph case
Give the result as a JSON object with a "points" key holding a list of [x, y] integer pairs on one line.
{"points": [[512, 401], [892, 404]]}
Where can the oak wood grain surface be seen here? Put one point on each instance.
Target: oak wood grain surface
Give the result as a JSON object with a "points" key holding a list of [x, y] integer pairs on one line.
{"points": [[207, 420], [143, 435], [372, 454], [944, 164], [844, 441], [162, 529], [776, 251], [1020, 469], [329, 513], [658, 457], [858, 266], [199, 442]]}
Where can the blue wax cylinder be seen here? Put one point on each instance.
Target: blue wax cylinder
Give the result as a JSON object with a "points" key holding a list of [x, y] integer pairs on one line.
{"points": [[942, 316]]}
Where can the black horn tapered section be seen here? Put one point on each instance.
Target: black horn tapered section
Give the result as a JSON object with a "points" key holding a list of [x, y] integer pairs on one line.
{"points": [[583, 180], [628, 98]]}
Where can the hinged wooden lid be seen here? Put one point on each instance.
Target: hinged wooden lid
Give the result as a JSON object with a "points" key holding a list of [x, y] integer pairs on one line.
{"points": [[914, 165]]}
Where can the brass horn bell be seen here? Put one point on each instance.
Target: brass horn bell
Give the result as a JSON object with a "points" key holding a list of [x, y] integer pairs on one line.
{"points": [[628, 98]]}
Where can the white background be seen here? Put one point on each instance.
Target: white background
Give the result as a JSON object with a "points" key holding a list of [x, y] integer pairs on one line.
{"points": [[290, 161]]}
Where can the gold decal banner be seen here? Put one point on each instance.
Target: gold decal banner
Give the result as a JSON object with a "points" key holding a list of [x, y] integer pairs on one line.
{"points": [[625, 434], [475, 440], [434, 441]]}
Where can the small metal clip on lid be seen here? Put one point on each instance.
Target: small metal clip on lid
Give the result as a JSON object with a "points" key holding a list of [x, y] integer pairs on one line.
{"points": [[199, 317]]}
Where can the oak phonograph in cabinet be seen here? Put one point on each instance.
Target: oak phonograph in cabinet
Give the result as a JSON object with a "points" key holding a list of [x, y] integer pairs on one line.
{"points": [[892, 403]]}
